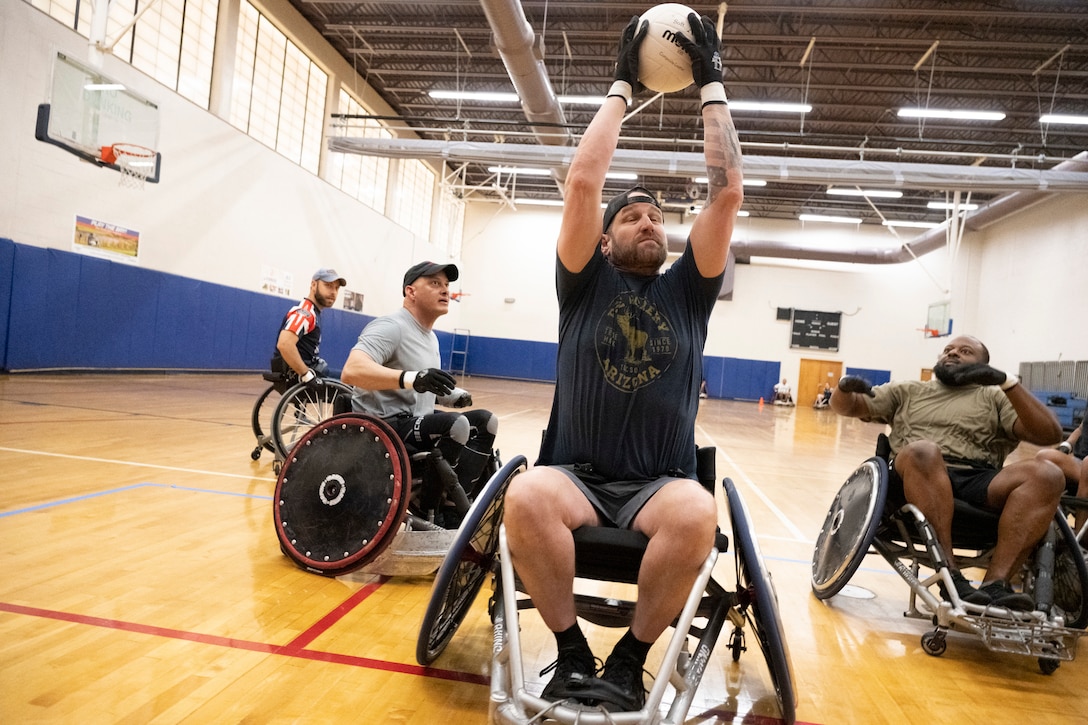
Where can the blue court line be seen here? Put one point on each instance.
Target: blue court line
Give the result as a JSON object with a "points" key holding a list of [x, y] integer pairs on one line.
{"points": [[133, 487]]}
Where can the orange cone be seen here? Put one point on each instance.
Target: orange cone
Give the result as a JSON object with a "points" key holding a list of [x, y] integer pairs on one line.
{"points": [[761, 402]]}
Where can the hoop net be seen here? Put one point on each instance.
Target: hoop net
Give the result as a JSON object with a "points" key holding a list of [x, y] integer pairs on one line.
{"points": [[135, 163]]}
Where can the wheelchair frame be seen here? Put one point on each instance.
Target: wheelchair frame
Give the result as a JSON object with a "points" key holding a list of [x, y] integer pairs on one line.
{"points": [[860, 520], [609, 554]]}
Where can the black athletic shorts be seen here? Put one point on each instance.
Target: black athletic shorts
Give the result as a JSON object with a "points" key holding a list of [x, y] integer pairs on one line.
{"points": [[969, 483]]}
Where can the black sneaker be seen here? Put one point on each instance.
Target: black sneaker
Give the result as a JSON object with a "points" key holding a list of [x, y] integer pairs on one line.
{"points": [[621, 683], [574, 669], [966, 592], [1002, 595]]}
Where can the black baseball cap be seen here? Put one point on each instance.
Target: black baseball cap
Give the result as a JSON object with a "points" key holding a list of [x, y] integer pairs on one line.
{"points": [[634, 195], [427, 269]]}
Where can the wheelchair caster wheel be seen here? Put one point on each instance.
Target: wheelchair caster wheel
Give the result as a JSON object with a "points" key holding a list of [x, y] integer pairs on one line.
{"points": [[276, 466], [934, 644], [1047, 665], [256, 454], [736, 643]]}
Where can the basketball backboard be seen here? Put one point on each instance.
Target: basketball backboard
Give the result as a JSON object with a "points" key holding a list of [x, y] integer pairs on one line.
{"points": [[88, 111], [938, 320]]}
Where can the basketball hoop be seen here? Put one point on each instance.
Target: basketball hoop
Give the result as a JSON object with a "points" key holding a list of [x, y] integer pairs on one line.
{"points": [[135, 162]]}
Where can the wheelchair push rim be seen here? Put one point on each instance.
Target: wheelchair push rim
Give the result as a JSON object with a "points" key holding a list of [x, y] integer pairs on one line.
{"points": [[342, 494], [763, 614], [471, 557]]}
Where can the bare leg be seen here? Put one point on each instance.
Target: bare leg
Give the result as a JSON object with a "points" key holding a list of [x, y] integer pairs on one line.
{"points": [[1076, 474], [927, 486], [1027, 494], [680, 520], [541, 509]]}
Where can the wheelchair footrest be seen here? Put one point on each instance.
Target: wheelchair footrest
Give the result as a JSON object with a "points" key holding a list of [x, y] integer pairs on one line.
{"points": [[1028, 638]]}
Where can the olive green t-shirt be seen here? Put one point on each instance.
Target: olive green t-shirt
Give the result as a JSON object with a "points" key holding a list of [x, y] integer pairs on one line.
{"points": [[972, 422]]}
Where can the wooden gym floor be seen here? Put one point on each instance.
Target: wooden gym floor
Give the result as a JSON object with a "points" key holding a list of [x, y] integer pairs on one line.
{"points": [[143, 583]]}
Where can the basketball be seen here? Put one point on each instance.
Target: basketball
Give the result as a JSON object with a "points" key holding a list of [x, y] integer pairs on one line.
{"points": [[663, 65]]}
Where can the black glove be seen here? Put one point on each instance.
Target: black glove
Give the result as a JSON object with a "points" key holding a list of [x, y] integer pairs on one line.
{"points": [[856, 384], [434, 380], [703, 49], [979, 374], [627, 60]]}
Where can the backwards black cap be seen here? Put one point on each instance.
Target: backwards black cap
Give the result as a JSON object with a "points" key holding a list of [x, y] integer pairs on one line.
{"points": [[634, 195]]}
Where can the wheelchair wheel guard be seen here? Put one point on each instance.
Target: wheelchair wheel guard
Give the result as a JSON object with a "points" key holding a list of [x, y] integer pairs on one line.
{"points": [[342, 494], [470, 559], [762, 614], [848, 531]]}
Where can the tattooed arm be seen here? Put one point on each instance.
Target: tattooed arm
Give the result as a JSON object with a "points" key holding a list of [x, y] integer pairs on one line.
{"points": [[713, 227]]}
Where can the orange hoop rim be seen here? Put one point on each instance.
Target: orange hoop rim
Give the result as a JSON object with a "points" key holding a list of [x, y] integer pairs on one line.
{"points": [[112, 153]]}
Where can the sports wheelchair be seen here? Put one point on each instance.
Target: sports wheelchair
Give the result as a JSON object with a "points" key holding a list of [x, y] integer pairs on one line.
{"points": [[610, 555], [287, 409], [348, 498], [1055, 574]]}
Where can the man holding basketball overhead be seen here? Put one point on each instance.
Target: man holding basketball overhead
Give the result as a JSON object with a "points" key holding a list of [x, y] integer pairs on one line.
{"points": [[619, 449]]}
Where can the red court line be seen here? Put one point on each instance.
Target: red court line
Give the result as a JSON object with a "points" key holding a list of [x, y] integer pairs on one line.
{"points": [[322, 625], [289, 650]]}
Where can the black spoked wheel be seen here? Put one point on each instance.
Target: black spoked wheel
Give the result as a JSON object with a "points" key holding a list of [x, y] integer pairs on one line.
{"points": [[471, 558], [303, 407], [1070, 576]]}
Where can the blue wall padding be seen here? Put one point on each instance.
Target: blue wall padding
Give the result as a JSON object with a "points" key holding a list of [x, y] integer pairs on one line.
{"points": [[743, 379], [876, 377], [65, 310], [61, 309], [7, 267]]}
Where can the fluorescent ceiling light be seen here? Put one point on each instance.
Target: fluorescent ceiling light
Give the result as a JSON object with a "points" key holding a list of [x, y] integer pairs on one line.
{"points": [[747, 182], [1060, 118], [104, 87], [525, 171], [475, 96], [582, 100], [872, 193], [910, 225], [769, 107], [951, 114], [518, 170], [507, 97], [950, 206], [829, 218]]}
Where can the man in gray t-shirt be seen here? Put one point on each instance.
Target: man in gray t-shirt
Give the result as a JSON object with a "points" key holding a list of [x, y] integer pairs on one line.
{"points": [[396, 370]]}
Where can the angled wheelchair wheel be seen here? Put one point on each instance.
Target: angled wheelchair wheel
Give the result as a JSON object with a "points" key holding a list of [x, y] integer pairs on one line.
{"points": [[303, 407], [471, 557], [1070, 575], [849, 528], [342, 494], [261, 421], [762, 610]]}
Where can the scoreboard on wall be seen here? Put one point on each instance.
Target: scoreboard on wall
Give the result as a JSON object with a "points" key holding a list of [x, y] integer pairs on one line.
{"points": [[815, 330]]}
